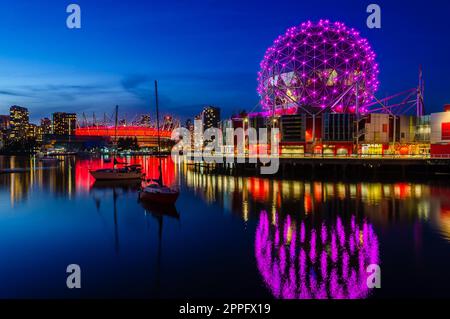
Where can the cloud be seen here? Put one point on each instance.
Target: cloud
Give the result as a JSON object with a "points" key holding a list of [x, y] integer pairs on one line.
{"points": [[138, 85], [182, 94], [12, 93]]}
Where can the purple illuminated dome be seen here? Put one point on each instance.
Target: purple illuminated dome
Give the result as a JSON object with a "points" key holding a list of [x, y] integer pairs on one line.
{"points": [[316, 67]]}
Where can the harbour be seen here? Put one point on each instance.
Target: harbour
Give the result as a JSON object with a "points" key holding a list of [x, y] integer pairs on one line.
{"points": [[144, 251]]}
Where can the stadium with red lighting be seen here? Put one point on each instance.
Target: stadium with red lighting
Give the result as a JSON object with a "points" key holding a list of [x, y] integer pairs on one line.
{"points": [[318, 67], [146, 136]]}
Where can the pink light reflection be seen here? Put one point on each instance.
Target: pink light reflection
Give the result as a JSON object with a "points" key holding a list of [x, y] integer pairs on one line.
{"points": [[330, 268]]}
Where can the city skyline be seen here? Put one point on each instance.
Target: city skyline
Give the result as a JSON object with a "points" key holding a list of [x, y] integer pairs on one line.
{"points": [[277, 152], [114, 61]]}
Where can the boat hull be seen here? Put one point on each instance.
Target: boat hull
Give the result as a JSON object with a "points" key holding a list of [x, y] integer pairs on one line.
{"points": [[116, 176], [166, 199]]}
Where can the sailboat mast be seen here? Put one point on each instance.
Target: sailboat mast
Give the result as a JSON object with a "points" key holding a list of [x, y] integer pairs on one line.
{"points": [[115, 134], [160, 179], [157, 115]]}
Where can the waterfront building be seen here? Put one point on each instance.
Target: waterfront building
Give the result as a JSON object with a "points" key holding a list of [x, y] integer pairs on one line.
{"points": [[32, 131], [440, 132], [147, 137], [46, 126], [4, 122], [238, 121], [224, 126], [198, 132], [64, 123], [338, 127], [4, 126], [39, 134], [210, 117], [257, 122], [338, 131], [405, 129], [189, 125], [18, 122], [292, 129], [423, 135], [423, 129], [376, 129]]}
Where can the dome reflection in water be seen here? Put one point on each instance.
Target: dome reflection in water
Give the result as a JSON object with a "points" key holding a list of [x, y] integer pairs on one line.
{"points": [[307, 261]]}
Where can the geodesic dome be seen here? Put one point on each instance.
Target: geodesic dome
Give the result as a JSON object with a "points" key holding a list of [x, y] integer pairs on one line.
{"points": [[317, 66]]}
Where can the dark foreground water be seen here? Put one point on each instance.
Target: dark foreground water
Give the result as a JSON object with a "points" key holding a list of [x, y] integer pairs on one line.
{"points": [[228, 236]]}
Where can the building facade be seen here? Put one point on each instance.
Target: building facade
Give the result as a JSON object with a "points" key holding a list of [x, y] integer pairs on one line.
{"points": [[440, 133], [64, 123], [46, 126], [4, 122], [292, 131], [211, 117], [19, 120]]}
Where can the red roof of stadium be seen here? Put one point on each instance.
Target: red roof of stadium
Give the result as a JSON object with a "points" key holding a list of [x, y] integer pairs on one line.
{"points": [[121, 131]]}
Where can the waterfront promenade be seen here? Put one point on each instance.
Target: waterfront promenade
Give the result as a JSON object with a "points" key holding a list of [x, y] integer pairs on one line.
{"points": [[329, 166]]}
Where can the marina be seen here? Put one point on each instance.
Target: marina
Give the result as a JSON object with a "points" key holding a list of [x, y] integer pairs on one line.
{"points": [[219, 222]]}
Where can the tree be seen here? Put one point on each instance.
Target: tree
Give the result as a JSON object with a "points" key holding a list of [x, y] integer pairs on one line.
{"points": [[127, 144]]}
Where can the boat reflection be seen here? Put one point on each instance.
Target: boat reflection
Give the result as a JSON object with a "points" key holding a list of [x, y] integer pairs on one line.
{"points": [[157, 210], [309, 261], [101, 190]]}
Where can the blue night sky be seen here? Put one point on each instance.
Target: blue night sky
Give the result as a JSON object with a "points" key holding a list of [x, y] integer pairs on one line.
{"points": [[202, 52]]}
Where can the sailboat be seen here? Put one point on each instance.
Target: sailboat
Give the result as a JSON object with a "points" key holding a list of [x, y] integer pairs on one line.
{"points": [[128, 172], [156, 191]]}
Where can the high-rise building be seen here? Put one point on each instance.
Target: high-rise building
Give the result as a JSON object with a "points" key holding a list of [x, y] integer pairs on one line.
{"points": [[32, 131], [4, 122], [189, 125], [46, 126], [211, 117], [39, 133], [64, 123], [19, 119], [226, 126], [4, 126], [198, 133]]}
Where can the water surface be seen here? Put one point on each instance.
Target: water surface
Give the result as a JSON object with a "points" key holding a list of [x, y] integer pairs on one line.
{"points": [[228, 236]]}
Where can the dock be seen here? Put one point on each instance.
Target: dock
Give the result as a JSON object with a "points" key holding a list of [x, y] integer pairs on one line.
{"points": [[323, 166]]}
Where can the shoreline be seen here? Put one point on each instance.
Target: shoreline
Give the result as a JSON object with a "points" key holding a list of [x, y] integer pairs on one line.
{"points": [[323, 169]]}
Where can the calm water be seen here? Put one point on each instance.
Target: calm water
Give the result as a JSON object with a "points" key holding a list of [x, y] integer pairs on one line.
{"points": [[228, 237]]}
